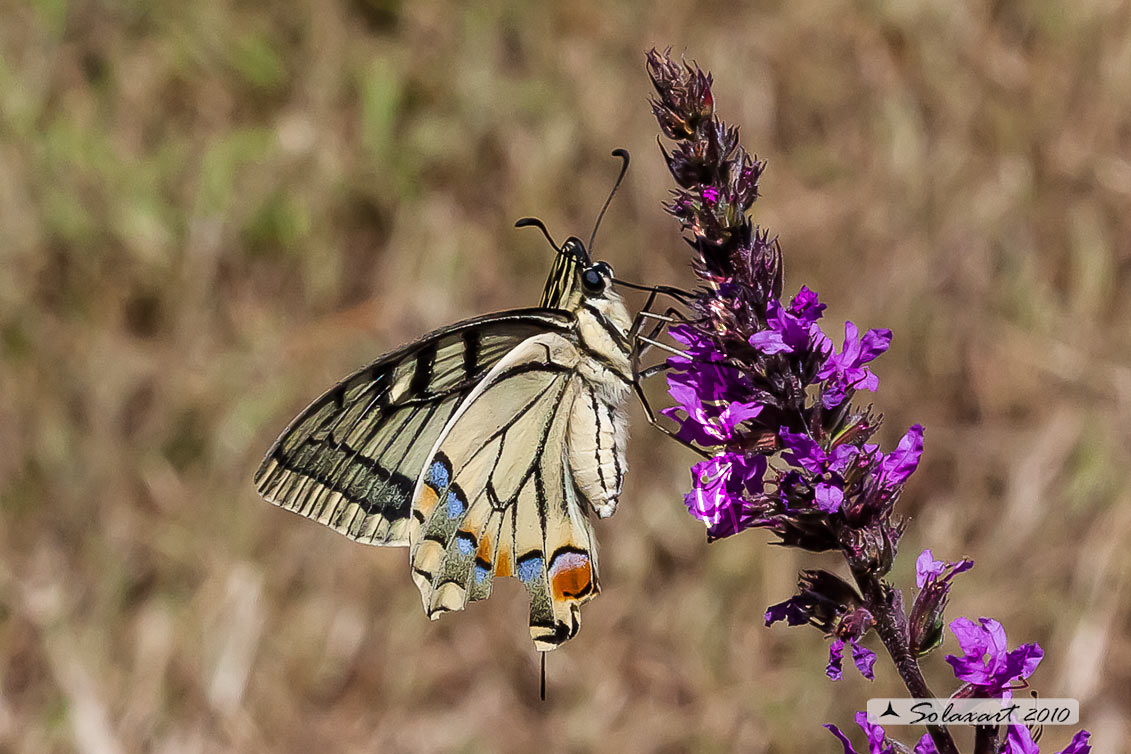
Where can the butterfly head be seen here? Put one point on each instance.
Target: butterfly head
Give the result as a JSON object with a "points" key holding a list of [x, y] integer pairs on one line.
{"points": [[575, 278], [585, 288]]}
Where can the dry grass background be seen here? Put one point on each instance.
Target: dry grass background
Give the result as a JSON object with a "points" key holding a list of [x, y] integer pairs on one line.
{"points": [[209, 211]]}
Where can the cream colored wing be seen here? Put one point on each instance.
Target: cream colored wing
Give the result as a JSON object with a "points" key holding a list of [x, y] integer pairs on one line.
{"points": [[498, 497], [352, 458]]}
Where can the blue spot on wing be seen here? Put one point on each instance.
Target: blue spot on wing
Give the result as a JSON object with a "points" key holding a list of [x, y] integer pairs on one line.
{"points": [[465, 543], [439, 474], [456, 503], [481, 573], [529, 568]]}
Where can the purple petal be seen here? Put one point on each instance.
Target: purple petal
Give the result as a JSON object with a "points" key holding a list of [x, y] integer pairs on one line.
{"points": [[927, 568], [963, 565], [926, 745], [986, 662], [802, 451], [874, 732], [684, 334], [1022, 662], [791, 611], [833, 395], [974, 642], [828, 497], [861, 378], [737, 412], [684, 395], [719, 487], [821, 344], [864, 659], [842, 738], [874, 343], [836, 660], [901, 463], [769, 341], [1079, 744], [842, 457], [806, 305], [1019, 741], [850, 351], [995, 633]]}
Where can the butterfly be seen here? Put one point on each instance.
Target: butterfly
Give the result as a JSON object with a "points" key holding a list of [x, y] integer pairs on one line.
{"points": [[483, 447]]}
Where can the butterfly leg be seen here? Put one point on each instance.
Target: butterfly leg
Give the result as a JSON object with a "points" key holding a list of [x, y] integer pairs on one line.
{"points": [[650, 415], [641, 373]]}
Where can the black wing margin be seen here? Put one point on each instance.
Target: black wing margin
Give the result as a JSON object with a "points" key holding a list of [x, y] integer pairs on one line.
{"points": [[352, 458]]}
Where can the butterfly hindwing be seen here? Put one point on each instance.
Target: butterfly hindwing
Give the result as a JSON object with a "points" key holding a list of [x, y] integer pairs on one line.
{"points": [[352, 458], [498, 498]]}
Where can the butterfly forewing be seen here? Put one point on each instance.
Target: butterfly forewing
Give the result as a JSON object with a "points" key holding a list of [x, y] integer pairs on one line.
{"points": [[352, 458]]}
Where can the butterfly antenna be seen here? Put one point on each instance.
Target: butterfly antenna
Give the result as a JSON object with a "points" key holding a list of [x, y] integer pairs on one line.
{"points": [[528, 222], [542, 685], [623, 154]]}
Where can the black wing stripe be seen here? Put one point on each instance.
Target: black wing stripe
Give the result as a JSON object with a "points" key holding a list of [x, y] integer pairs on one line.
{"points": [[342, 459], [374, 496], [597, 437], [470, 352], [422, 374], [353, 489], [403, 501], [618, 472]]}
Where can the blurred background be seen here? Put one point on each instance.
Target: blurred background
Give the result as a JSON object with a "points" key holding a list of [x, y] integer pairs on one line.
{"points": [[211, 211]]}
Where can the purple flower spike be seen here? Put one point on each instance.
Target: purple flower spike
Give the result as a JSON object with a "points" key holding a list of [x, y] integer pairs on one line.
{"points": [[988, 666], [845, 371]]}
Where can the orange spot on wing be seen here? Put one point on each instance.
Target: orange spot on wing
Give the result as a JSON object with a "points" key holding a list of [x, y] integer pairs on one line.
{"points": [[571, 576], [503, 564], [484, 552], [427, 500]]}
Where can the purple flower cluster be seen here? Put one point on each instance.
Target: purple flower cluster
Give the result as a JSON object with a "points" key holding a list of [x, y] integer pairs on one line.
{"points": [[767, 395]]}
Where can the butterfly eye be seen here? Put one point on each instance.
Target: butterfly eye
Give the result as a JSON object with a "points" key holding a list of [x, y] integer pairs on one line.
{"points": [[592, 280]]}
